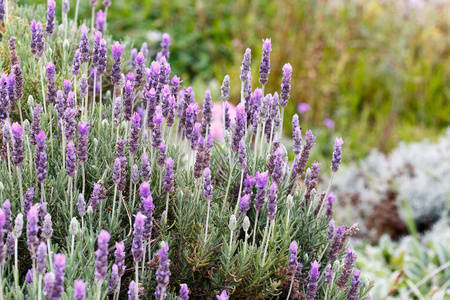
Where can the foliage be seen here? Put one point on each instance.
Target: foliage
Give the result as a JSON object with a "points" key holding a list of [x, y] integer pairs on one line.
{"points": [[412, 180], [412, 268], [222, 260]]}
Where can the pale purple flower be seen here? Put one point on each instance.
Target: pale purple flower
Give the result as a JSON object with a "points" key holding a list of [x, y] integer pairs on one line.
{"points": [[311, 289], [286, 84], [223, 296], [51, 4], [264, 68], [146, 170], [40, 157], [347, 268], [165, 43], [169, 177], [84, 44], [100, 21], [41, 258], [303, 107], [353, 293], [17, 152], [336, 161], [184, 292], [272, 202], [79, 290], [330, 200], [137, 247], [101, 261], [163, 272], [58, 285], [328, 123], [207, 187], [116, 73]]}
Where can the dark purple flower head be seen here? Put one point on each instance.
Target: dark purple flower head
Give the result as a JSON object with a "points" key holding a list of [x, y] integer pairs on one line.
{"points": [[225, 89], [293, 260], [146, 171], [96, 51], [245, 67], [286, 84], [40, 158], [244, 204], [51, 4], [11, 87], [261, 179], [101, 261], [71, 160], [17, 152], [8, 215], [272, 202], [81, 204], [239, 130], [102, 53], [207, 187], [264, 68], [311, 289], [76, 64], [207, 112], [336, 161], [116, 73], [37, 43], [329, 275], [169, 176], [137, 247], [2, 219], [79, 290], [242, 155], [304, 156], [353, 293], [84, 44], [32, 230], [330, 200], [163, 272]]}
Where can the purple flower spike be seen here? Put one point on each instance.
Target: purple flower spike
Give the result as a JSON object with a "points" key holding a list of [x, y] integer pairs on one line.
{"points": [[11, 86], [69, 124], [353, 293], [101, 21], [272, 202], [207, 187], [239, 131], [207, 113], [337, 244], [347, 268], [71, 160], [58, 285], [329, 276], [146, 170], [311, 289], [41, 258], [134, 134], [244, 204], [162, 154], [28, 201], [101, 261], [223, 296], [140, 68], [76, 63], [163, 272], [264, 68], [51, 4], [169, 177], [336, 161], [132, 290], [137, 247], [242, 155], [65, 6], [165, 43], [156, 132], [261, 182], [84, 44], [17, 153], [40, 158], [80, 290], [2, 11], [310, 138], [50, 78], [81, 204], [297, 137], [286, 84], [120, 258], [184, 292], [37, 43], [101, 68], [95, 53], [294, 265], [83, 139], [128, 102], [330, 200], [330, 232], [8, 215], [245, 67], [116, 73]]}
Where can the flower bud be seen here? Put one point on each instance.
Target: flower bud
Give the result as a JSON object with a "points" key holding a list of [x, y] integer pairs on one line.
{"points": [[18, 226], [232, 223], [336, 266], [95, 141], [289, 202], [90, 211], [246, 224], [227, 138], [66, 44], [30, 101], [74, 226], [105, 123], [2, 187], [26, 127]]}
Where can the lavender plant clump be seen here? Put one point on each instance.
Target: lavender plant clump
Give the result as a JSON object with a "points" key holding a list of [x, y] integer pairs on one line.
{"points": [[141, 161]]}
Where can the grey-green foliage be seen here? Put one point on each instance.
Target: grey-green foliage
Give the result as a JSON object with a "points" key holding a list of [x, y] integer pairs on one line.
{"points": [[245, 271]]}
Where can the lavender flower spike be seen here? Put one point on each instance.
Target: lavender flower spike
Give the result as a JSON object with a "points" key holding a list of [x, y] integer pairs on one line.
{"points": [[134, 134], [17, 153], [165, 43], [329, 275], [146, 171], [50, 78], [132, 291], [76, 63], [264, 68], [83, 138], [330, 200], [285, 84], [8, 215], [184, 292], [101, 262], [310, 138], [163, 272], [80, 290], [353, 293], [40, 158], [239, 130], [71, 160], [207, 187], [169, 177], [347, 268], [58, 285], [272, 202], [120, 258], [245, 67], [311, 289], [116, 73], [242, 155], [100, 21], [41, 259], [51, 4], [84, 44], [336, 161], [261, 182], [293, 260], [137, 247]]}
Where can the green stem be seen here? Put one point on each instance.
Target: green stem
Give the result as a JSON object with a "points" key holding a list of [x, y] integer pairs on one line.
{"points": [[114, 203], [137, 279], [207, 220], [49, 250], [254, 228], [239, 195], [71, 197], [19, 175], [39, 287], [167, 209], [16, 264], [99, 289], [76, 13], [290, 287]]}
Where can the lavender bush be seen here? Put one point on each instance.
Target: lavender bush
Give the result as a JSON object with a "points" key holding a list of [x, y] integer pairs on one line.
{"points": [[154, 190]]}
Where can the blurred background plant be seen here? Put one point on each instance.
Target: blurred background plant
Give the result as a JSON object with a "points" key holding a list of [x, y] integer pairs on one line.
{"points": [[376, 69]]}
